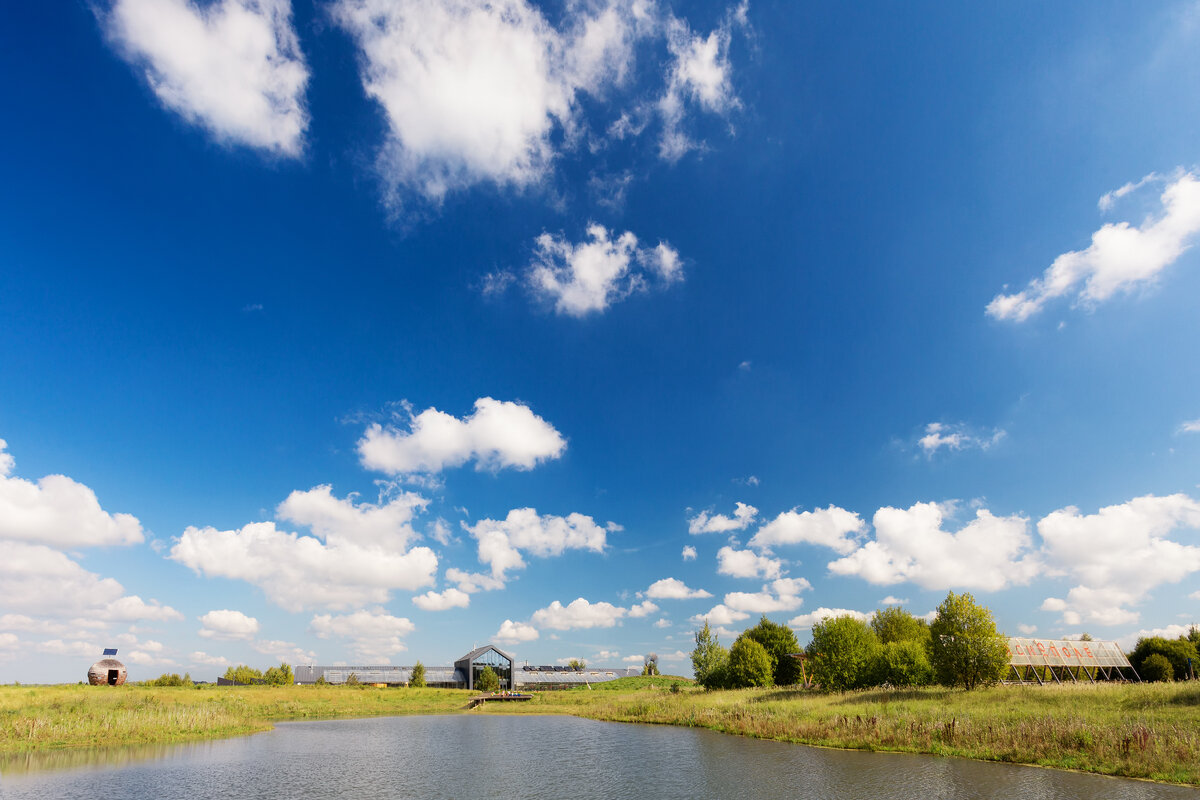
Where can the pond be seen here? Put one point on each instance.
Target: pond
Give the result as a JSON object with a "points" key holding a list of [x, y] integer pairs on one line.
{"points": [[532, 757]]}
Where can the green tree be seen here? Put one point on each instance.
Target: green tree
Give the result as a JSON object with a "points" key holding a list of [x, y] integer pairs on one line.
{"points": [[841, 653], [1156, 667], [894, 624], [904, 663], [418, 676], [749, 664], [709, 659], [280, 676], [243, 674], [780, 642], [965, 647], [1176, 651], [352, 680], [650, 666], [577, 664], [488, 680]]}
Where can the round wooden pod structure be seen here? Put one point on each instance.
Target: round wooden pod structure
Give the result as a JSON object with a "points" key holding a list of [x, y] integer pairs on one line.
{"points": [[107, 672]]}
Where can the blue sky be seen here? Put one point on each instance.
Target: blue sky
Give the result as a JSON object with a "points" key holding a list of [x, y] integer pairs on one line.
{"points": [[365, 331]]}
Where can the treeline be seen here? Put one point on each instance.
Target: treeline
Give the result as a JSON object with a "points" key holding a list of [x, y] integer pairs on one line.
{"points": [[274, 676], [1160, 659], [961, 647]]}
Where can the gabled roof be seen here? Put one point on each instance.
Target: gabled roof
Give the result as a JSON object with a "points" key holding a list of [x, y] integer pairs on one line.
{"points": [[478, 651]]}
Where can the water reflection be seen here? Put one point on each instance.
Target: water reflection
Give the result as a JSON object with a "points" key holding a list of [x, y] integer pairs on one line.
{"points": [[94, 757], [535, 757]]}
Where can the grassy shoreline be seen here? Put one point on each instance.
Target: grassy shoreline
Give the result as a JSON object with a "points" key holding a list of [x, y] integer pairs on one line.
{"points": [[1139, 731]]}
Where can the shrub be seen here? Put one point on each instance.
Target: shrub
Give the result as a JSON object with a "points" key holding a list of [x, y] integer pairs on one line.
{"points": [[841, 652], [965, 647], [1176, 651], [418, 676], [903, 663], [749, 664], [1156, 667], [780, 642]]}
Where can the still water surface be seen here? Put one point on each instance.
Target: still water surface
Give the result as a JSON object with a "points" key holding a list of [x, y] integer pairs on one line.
{"points": [[462, 757]]}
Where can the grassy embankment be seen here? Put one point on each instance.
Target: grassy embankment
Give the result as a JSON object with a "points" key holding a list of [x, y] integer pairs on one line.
{"points": [[1145, 731]]}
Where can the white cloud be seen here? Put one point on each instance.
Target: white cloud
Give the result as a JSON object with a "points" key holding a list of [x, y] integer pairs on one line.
{"points": [[720, 615], [747, 564], [1191, 426], [1120, 258], [77, 648], [643, 609], [588, 277], [473, 91], [228, 624], [440, 601], [892, 600], [956, 436], [674, 589], [743, 516], [58, 511], [472, 582], [700, 72], [821, 614], [988, 553], [203, 658], [233, 67], [780, 595], [1119, 554], [577, 615], [1194, 596], [284, 651], [513, 632], [1128, 641], [387, 526], [675, 657], [1028, 630], [44, 582], [298, 572], [374, 635], [634, 659], [833, 527], [662, 623], [498, 434], [502, 541], [688, 553]]}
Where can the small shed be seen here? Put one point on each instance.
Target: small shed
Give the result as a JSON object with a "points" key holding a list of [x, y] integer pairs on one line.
{"points": [[107, 671]]}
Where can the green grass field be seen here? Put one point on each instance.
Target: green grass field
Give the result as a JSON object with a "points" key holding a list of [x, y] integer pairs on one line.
{"points": [[1143, 731]]}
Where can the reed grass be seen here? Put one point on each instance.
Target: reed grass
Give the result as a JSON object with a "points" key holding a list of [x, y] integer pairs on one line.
{"points": [[1147, 731]]}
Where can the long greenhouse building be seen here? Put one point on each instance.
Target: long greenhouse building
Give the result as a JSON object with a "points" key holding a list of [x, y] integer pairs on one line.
{"points": [[465, 673]]}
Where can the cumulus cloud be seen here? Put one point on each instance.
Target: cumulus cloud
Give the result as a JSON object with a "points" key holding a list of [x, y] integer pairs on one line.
{"points": [[1121, 257], [747, 564], [821, 614], [302, 571], [474, 91], [501, 542], [233, 67], [1191, 426], [472, 582], [1118, 555], [956, 436], [58, 511], [780, 595], [374, 635], [578, 614], [440, 601], [892, 600], [1027, 630], [833, 527], [720, 615], [45, 583], [204, 659], [387, 525], [704, 522], [284, 651], [700, 73], [588, 277], [1128, 641], [497, 435], [688, 553], [988, 553], [228, 624], [643, 609], [513, 632], [674, 589]]}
